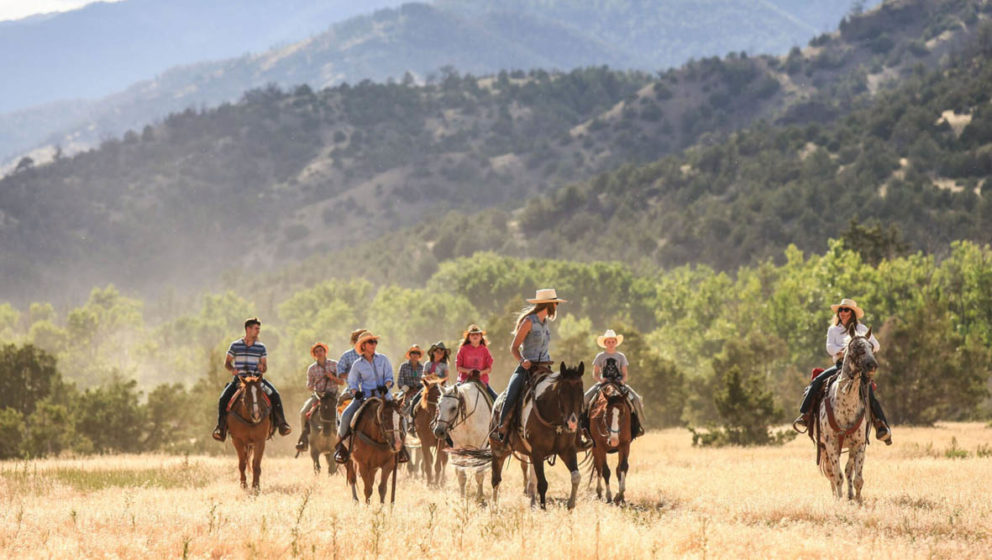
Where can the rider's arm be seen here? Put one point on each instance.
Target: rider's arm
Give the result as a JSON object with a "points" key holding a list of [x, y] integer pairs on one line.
{"points": [[229, 364], [835, 342], [460, 363], [312, 377], [623, 370], [487, 363], [518, 340], [263, 364]]}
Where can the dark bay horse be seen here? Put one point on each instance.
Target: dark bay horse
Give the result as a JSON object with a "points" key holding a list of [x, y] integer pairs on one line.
{"points": [[610, 428], [430, 445], [324, 432], [249, 424], [377, 439], [549, 419]]}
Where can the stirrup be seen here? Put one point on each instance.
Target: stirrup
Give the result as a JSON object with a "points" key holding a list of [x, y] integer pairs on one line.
{"points": [[301, 445], [220, 434], [284, 429], [341, 454], [884, 433], [800, 421]]}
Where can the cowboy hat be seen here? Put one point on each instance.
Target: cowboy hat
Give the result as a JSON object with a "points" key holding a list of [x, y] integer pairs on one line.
{"points": [[439, 345], [414, 348], [473, 329], [609, 334], [317, 345], [546, 295], [362, 339], [850, 304]]}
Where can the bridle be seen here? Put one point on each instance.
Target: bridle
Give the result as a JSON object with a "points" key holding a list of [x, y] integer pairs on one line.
{"points": [[562, 426], [461, 410], [612, 402]]}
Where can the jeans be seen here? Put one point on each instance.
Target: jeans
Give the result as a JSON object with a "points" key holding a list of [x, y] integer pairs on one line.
{"points": [[513, 389], [817, 383]]}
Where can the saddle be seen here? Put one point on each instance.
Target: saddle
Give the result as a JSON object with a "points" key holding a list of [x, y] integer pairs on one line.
{"points": [[485, 394], [518, 419], [361, 409]]}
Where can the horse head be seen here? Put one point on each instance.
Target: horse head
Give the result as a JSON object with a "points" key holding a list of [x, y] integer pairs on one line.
{"points": [[570, 395], [252, 404], [390, 421], [859, 358], [449, 405], [328, 406], [611, 412]]}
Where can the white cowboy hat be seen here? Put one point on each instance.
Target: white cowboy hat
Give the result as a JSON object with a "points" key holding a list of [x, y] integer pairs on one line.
{"points": [[850, 304], [546, 295], [609, 334]]}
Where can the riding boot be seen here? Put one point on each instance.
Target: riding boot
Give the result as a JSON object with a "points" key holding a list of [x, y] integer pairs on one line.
{"points": [[882, 430], [636, 428], [583, 438], [403, 456], [341, 453], [278, 414], [304, 440], [220, 432]]}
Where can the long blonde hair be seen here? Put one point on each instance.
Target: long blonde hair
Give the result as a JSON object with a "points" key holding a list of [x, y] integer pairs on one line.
{"points": [[551, 306]]}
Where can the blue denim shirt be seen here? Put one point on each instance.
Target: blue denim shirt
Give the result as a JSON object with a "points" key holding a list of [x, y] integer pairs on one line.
{"points": [[365, 376], [538, 341]]}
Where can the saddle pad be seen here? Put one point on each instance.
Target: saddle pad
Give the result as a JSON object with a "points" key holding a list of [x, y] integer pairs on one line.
{"points": [[532, 395], [358, 413], [485, 394]]}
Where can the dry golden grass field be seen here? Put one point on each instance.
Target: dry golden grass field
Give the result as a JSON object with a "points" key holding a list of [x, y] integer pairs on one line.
{"points": [[923, 499]]}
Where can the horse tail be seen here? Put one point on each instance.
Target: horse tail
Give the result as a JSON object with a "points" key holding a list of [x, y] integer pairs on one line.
{"points": [[470, 458]]}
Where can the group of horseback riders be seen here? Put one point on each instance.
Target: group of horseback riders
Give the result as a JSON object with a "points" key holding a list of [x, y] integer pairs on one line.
{"points": [[368, 373]]}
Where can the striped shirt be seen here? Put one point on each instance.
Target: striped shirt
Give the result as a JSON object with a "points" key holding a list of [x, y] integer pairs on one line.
{"points": [[246, 357]]}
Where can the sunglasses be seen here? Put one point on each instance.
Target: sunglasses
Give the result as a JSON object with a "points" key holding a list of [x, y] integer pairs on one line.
{"points": [[843, 310], [372, 342]]}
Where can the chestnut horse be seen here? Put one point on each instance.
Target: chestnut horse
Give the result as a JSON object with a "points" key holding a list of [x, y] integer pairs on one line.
{"points": [[249, 424], [550, 409], [430, 445], [376, 440], [610, 428]]}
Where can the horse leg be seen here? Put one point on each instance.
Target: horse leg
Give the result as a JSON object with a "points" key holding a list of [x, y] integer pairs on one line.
{"points": [[572, 462], [239, 446], [854, 465], [425, 466], [525, 470], [440, 462], [462, 479], [497, 475], [605, 474], [315, 455], [256, 463], [368, 479], [622, 467], [387, 470], [352, 480], [530, 484], [537, 463], [479, 494]]}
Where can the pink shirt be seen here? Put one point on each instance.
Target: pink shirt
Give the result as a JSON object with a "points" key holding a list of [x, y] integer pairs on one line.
{"points": [[474, 357]]}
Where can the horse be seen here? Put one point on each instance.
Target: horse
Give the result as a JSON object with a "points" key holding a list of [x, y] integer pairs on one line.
{"points": [[550, 410], [323, 431], [463, 414], [377, 439], [430, 445], [842, 413], [414, 465], [249, 424], [610, 420]]}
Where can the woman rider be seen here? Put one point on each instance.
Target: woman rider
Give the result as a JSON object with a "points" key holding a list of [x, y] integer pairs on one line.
{"points": [[531, 342], [846, 315]]}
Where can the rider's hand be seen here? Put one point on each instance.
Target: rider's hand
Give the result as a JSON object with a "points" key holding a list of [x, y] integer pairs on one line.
{"points": [[526, 364]]}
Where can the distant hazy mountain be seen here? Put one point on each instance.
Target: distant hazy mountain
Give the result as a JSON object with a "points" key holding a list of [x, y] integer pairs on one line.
{"points": [[102, 48], [471, 35]]}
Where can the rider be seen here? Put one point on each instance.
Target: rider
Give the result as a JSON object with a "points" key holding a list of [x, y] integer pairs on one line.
{"points": [[846, 315], [349, 356], [534, 334], [611, 366], [371, 375], [321, 379], [474, 356], [247, 356], [435, 369], [408, 377]]}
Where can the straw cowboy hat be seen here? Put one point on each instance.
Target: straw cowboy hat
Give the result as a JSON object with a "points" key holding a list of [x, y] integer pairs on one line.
{"points": [[317, 345], [362, 339], [850, 304], [609, 334], [414, 348], [547, 295], [473, 329]]}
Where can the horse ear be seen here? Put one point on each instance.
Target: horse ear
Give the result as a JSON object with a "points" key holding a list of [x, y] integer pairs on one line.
{"points": [[868, 334], [425, 381], [563, 368], [582, 368]]}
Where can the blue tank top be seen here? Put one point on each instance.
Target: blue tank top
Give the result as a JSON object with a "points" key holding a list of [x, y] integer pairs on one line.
{"points": [[538, 341]]}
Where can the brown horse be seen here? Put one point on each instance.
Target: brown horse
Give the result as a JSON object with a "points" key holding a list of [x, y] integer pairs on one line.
{"points": [[377, 439], [248, 422], [323, 431], [610, 427], [430, 445], [549, 419]]}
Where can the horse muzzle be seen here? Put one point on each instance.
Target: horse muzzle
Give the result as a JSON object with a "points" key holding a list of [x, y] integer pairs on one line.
{"points": [[572, 423], [440, 431]]}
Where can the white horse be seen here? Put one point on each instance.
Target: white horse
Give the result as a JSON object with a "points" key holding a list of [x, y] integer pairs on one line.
{"points": [[463, 413], [844, 418]]}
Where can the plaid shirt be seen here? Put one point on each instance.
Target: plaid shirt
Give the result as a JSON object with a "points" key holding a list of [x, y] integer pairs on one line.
{"points": [[317, 377], [408, 375]]}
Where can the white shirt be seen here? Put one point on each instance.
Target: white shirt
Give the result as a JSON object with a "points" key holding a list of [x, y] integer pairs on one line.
{"points": [[837, 339]]}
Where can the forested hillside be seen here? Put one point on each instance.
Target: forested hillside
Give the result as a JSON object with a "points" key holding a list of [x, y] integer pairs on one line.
{"points": [[473, 36], [281, 176]]}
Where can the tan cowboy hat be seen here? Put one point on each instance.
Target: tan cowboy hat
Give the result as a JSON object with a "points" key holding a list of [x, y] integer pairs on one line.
{"points": [[362, 339], [473, 329], [439, 345], [317, 345], [547, 295], [850, 304], [414, 348], [609, 334]]}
